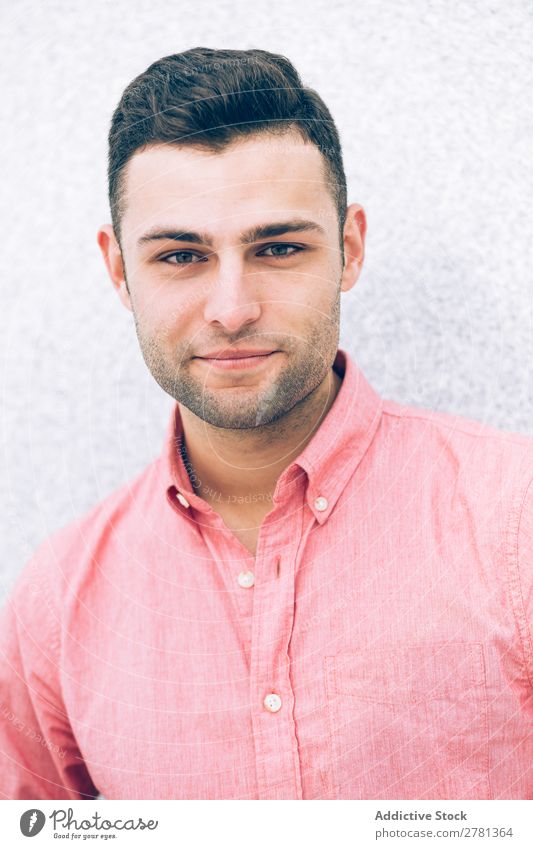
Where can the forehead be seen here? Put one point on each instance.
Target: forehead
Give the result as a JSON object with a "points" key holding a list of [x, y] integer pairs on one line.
{"points": [[255, 177]]}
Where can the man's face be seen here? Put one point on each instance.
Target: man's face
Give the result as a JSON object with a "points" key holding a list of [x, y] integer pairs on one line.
{"points": [[203, 285]]}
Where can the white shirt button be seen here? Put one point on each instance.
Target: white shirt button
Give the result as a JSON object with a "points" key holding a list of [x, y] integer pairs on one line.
{"points": [[246, 579], [321, 503], [182, 500], [272, 702]]}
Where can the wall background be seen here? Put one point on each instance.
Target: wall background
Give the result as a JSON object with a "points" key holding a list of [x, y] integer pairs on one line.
{"points": [[433, 103]]}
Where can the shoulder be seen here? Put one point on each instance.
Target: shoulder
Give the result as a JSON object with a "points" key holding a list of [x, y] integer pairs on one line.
{"points": [[65, 560], [486, 449]]}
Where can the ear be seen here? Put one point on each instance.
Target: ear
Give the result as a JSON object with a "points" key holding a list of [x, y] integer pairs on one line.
{"points": [[354, 245], [112, 254]]}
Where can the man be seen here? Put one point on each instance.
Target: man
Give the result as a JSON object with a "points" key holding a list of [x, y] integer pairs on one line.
{"points": [[312, 593]]}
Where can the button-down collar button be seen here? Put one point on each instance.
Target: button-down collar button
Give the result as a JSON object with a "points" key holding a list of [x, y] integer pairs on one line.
{"points": [[272, 702], [246, 579], [321, 503], [182, 500]]}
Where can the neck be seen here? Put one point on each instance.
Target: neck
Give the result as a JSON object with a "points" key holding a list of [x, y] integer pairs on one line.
{"points": [[233, 464]]}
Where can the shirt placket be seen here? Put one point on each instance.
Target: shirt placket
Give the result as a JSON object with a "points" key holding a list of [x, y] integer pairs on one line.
{"points": [[271, 689]]}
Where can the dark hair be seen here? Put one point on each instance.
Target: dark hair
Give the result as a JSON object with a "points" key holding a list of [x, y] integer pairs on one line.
{"points": [[209, 98]]}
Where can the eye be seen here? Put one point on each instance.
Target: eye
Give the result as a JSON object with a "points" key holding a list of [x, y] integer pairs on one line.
{"points": [[184, 258], [283, 245]]}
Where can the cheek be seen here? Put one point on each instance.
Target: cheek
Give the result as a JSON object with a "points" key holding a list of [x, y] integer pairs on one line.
{"points": [[312, 304], [177, 328]]}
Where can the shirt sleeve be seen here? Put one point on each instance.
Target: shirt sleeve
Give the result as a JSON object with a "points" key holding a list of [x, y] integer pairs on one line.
{"points": [[39, 756], [525, 571]]}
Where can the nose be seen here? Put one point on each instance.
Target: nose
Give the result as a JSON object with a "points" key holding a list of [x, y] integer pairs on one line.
{"points": [[231, 301]]}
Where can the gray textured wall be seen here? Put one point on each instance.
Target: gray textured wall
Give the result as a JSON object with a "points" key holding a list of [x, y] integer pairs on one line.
{"points": [[433, 102]]}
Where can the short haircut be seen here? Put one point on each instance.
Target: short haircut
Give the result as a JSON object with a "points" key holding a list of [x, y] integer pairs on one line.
{"points": [[210, 98]]}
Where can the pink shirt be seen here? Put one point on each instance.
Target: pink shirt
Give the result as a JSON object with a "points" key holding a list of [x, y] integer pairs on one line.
{"points": [[381, 647]]}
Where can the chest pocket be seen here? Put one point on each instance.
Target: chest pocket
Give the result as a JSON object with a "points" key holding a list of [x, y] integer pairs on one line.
{"points": [[409, 722]]}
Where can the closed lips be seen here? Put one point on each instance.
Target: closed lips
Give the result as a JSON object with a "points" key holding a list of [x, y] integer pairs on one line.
{"points": [[235, 355]]}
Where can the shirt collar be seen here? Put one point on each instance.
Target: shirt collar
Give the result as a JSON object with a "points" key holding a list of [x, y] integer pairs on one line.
{"points": [[329, 459]]}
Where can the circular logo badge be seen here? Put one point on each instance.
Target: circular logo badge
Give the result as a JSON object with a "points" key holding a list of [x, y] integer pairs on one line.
{"points": [[32, 822]]}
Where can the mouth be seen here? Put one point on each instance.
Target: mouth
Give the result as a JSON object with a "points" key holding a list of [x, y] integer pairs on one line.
{"points": [[231, 360]]}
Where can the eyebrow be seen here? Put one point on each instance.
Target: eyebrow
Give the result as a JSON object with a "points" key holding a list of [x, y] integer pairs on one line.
{"points": [[247, 237]]}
